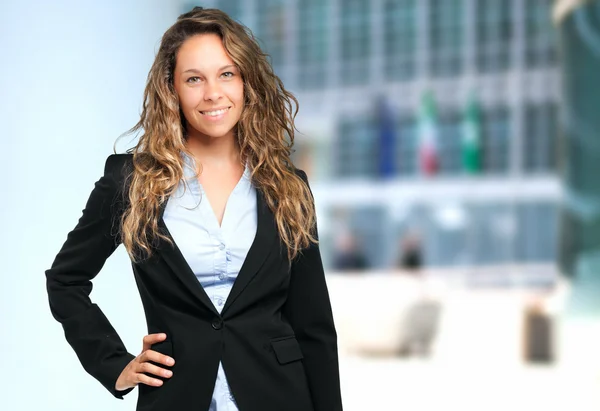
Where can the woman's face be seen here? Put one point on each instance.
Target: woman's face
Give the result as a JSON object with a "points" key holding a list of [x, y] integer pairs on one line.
{"points": [[209, 87]]}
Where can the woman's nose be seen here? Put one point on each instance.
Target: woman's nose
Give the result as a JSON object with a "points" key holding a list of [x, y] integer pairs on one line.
{"points": [[212, 91]]}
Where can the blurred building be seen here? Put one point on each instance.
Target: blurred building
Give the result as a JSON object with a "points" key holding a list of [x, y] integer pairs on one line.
{"points": [[361, 69]]}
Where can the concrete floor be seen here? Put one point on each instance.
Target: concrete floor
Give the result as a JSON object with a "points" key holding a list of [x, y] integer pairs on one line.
{"points": [[421, 385], [476, 363]]}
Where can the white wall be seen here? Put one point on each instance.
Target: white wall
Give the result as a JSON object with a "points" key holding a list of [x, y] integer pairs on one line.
{"points": [[72, 74]]}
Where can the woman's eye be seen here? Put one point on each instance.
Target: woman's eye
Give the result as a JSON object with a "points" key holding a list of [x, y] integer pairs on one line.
{"points": [[193, 79], [228, 74]]}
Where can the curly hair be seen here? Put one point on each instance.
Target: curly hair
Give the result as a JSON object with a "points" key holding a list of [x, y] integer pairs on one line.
{"points": [[264, 133]]}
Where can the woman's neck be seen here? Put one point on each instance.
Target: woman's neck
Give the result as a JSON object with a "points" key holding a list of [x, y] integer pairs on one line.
{"points": [[214, 151]]}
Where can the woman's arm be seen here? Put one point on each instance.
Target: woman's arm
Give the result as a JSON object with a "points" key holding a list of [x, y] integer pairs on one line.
{"points": [[309, 311], [95, 341]]}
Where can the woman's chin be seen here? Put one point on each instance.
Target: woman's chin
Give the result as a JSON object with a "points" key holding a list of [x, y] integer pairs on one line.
{"points": [[212, 133]]}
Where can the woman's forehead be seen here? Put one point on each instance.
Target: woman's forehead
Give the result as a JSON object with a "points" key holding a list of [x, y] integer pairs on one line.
{"points": [[203, 53]]}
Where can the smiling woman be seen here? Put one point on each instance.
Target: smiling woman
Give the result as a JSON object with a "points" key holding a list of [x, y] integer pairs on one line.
{"points": [[209, 86], [221, 231]]}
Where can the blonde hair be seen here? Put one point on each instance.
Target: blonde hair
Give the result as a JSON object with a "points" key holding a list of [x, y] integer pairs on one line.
{"points": [[265, 134]]}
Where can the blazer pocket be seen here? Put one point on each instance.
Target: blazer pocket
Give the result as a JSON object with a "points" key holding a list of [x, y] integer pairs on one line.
{"points": [[287, 349]]}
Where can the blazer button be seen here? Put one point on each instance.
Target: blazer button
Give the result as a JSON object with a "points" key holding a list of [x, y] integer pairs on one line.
{"points": [[217, 324]]}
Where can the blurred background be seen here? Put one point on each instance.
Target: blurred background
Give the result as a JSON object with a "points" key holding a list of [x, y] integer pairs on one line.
{"points": [[453, 149]]}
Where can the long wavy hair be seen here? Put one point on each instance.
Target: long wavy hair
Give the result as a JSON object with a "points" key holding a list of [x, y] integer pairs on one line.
{"points": [[264, 133]]}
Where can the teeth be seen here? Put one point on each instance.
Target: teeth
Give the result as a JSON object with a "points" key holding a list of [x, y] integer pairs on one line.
{"points": [[214, 113]]}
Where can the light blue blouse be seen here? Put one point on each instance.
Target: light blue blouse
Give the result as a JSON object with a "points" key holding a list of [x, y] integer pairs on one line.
{"points": [[214, 253]]}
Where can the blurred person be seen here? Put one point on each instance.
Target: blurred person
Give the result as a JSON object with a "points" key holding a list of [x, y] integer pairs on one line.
{"points": [[410, 252], [348, 255], [419, 327], [221, 231]]}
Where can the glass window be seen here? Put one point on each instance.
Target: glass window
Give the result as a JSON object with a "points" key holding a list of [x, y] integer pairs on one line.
{"points": [[271, 30], [495, 127], [400, 38], [231, 7], [355, 41], [540, 34], [493, 35], [541, 137], [356, 148], [538, 228], [446, 37], [312, 43], [490, 233]]}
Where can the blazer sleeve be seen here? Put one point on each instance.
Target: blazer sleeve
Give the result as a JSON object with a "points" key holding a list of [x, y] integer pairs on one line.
{"points": [[308, 309], [68, 281]]}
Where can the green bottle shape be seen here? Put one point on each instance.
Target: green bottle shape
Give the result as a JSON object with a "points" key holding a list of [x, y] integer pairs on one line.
{"points": [[428, 144], [471, 137]]}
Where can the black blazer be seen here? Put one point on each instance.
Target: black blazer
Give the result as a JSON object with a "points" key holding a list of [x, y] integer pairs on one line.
{"points": [[275, 334]]}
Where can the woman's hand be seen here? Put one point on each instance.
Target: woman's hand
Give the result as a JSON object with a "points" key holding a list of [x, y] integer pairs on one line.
{"points": [[133, 374]]}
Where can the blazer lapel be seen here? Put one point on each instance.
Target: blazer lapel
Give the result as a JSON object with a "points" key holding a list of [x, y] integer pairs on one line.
{"points": [[175, 259], [259, 250]]}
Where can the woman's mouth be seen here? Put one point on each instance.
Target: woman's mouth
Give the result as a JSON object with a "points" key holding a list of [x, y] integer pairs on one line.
{"points": [[215, 114]]}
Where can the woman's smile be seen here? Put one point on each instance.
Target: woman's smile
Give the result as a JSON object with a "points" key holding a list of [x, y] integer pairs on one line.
{"points": [[215, 115]]}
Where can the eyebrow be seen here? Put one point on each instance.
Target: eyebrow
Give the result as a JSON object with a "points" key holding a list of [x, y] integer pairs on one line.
{"points": [[198, 71]]}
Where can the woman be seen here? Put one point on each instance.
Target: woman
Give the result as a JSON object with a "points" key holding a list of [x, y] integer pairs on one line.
{"points": [[221, 231]]}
